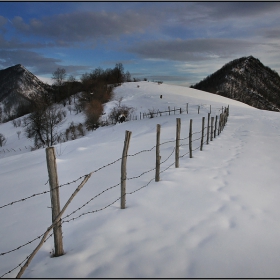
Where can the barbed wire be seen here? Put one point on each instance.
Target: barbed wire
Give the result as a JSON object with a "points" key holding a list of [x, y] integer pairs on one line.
{"points": [[14, 149], [135, 177], [19, 265], [141, 187], [90, 200], [74, 181], [111, 163], [40, 193], [90, 212], [23, 199], [27, 243]]}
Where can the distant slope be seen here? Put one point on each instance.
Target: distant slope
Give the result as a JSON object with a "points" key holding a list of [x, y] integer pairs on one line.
{"points": [[142, 99], [247, 80]]}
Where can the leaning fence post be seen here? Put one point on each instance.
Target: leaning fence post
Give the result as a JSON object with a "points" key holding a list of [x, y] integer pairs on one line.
{"points": [[55, 203], [202, 133], [212, 123], [123, 168], [190, 139], [178, 131], [208, 128], [157, 154]]}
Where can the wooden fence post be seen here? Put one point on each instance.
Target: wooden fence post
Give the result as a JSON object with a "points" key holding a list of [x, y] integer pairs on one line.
{"points": [[178, 132], [210, 109], [198, 109], [219, 126], [222, 120], [225, 116], [215, 131], [55, 203], [187, 108], [212, 124], [157, 154], [208, 121], [190, 138], [169, 110], [123, 168], [202, 134]]}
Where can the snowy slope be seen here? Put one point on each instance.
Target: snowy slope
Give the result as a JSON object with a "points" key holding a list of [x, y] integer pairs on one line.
{"points": [[215, 216]]}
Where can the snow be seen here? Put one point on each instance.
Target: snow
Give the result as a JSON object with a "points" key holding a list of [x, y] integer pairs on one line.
{"points": [[217, 215]]}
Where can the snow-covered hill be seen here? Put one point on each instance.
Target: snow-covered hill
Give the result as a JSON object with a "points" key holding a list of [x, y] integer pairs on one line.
{"points": [[214, 216]]}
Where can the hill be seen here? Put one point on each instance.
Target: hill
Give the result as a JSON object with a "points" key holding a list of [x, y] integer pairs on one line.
{"points": [[216, 216], [247, 80]]}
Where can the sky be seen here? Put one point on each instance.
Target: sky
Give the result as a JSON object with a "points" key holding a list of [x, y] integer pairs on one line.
{"points": [[174, 42]]}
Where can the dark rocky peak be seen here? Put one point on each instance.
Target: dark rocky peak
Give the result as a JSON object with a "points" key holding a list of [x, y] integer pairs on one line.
{"points": [[247, 80], [17, 80]]}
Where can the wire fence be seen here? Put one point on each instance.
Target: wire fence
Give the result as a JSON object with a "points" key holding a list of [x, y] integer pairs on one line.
{"points": [[11, 150], [204, 137]]}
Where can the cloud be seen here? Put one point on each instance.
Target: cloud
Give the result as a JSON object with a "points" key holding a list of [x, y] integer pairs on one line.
{"points": [[235, 10], [38, 63], [3, 22], [190, 49], [15, 43], [81, 26], [270, 33], [158, 20]]}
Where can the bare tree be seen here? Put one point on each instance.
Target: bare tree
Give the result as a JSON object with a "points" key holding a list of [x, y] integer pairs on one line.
{"points": [[59, 76], [71, 79], [43, 124]]}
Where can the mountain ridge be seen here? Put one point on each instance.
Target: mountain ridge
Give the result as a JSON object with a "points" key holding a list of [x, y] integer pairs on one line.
{"points": [[18, 80], [247, 80]]}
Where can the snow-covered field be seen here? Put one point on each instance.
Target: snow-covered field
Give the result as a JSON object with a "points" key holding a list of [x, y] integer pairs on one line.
{"points": [[217, 215]]}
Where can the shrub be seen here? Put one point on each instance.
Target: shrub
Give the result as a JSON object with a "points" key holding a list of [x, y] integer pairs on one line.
{"points": [[118, 110], [93, 111], [3, 140]]}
